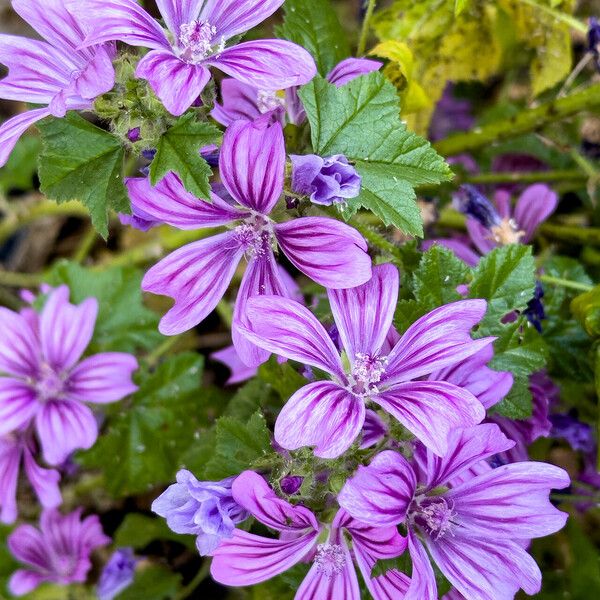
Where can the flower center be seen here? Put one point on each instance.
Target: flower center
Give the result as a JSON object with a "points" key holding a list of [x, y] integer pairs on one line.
{"points": [[63, 565], [197, 41], [49, 384], [367, 371], [255, 235], [507, 232], [434, 515], [330, 559], [267, 101]]}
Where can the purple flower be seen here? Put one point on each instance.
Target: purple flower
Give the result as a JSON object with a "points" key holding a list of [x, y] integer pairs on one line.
{"points": [[46, 384], [475, 531], [16, 449], [290, 484], [205, 509], [579, 435], [58, 552], [594, 40], [330, 415], [244, 101], [118, 574], [451, 114], [247, 559], [252, 166], [198, 31], [324, 180], [54, 73]]}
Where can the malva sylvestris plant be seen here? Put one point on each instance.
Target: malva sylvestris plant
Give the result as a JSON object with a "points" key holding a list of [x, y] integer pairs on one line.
{"points": [[340, 339]]}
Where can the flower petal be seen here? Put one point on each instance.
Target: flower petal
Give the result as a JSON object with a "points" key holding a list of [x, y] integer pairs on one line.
{"points": [[45, 482], [64, 426], [266, 64], [480, 236], [380, 493], [439, 339], [423, 585], [534, 206], [431, 410], [364, 314], [240, 101], [251, 491], [23, 581], [239, 370], [66, 329], [176, 83], [19, 345], [351, 68], [179, 12], [252, 163], [511, 501], [14, 128], [10, 462], [27, 545], [18, 404], [196, 277], [232, 17], [287, 328], [169, 202], [330, 252], [102, 378], [321, 414], [98, 77]]}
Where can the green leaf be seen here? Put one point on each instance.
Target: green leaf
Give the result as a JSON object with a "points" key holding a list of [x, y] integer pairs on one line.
{"points": [[137, 531], [282, 377], [179, 150], [80, 161], [238, 445], [144, 443], [314, 25], [154, 582], [18, 172], [124, 324], [400, 563], [362, 121], [460, 5]]}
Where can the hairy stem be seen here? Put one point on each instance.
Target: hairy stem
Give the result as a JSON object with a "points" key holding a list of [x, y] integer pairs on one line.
{"points": [[364, 31], [569, 20], [567, 283]]}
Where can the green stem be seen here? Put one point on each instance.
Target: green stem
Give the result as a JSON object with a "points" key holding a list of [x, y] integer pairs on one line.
{"points": [[525, 122], [531, 177], [558, 15], [364, 32], [85, 247], [376, 239], [567, 283], [201, 575], [574, 498], [25, 280], [153, 358]]}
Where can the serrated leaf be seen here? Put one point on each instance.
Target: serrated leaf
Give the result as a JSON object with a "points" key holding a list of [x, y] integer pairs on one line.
{"points": [[80, 161], [124, 324], [314, 25], [361, 120], [179, 150], [144, 443]]}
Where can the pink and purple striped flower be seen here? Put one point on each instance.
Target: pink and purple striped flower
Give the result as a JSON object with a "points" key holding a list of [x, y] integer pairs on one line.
{"points": [[476, 528], [330, 415], [198, 31], [54, 72], [44, 382]]}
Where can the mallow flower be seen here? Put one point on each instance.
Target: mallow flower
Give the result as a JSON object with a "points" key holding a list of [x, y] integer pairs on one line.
{"points": [[196, 38], [196, 276], [206, 509], [45, 384], [248, 559], [476, 528], [330, 414], [58, 552], [117, 575], [54, 72]]}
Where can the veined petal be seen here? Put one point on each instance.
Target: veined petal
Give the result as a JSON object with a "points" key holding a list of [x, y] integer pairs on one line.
{"points": [[177, 83], [66, 329], [251, 491], [246, 559], [123, 20], [364, 314], [239, 370], [287, 328], [484, 568], [431, 410], [14, 128], [169, 202], [480, 236], [252, 163], [266, 64], [18, 404], [19, 345], [330, 252], [321, 414], [439, 339], [351, 68], [466, 448], [23, 581], [64, 426], [196, 277], [45, 482], [28, 546], [98, 77], [511, 501], [232, 17], [380, 493], [102, 378], [10, 461], [423, 585], [239, 101], [534, 206], [179, 12]]}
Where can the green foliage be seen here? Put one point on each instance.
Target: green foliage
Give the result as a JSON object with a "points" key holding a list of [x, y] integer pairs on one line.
{"points": [[179, 150], [153, 582], [18, 172], [282, 377], [361, 120], [138, 530], [145, 441], [80, 161], [124, 324], [401, 563], [314, 25]]}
